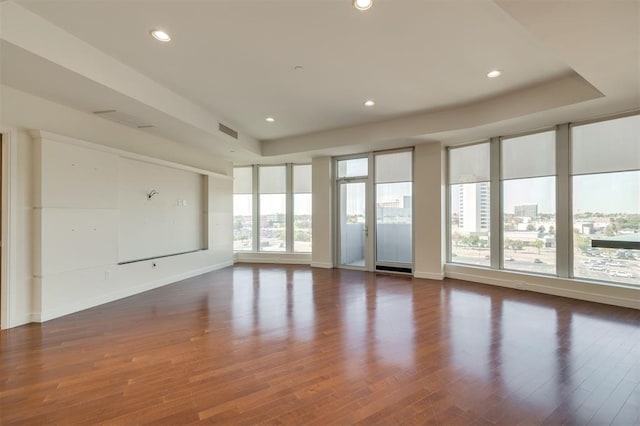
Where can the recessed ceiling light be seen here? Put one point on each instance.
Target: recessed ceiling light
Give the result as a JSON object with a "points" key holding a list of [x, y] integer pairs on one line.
{"points": [[270, 119], [494, 73], [161, 35], [362, 4], [369, 103]]}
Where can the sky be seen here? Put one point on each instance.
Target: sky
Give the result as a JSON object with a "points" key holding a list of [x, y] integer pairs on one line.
{"points": [[604, 192]]}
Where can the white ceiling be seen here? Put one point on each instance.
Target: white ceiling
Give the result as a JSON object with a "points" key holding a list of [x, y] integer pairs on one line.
{"points": [[424, 62]]}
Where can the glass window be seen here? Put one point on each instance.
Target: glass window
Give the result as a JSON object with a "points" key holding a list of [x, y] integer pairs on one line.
{"points": [[394, 199], [273, 208], [606, 199], [353, 168], [529, 203], [469, 197], [242, 208], [302, 208]]}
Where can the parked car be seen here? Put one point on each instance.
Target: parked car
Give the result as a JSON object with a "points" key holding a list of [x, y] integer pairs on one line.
{"points": [[621, 274], [536, 260]]}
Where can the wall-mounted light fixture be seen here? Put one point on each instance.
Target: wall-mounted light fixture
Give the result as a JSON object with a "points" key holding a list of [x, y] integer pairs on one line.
{"points": [[151, 193]]}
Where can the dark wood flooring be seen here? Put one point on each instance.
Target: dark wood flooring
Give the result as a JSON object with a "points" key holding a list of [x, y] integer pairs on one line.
{"points": [[274, 344]]}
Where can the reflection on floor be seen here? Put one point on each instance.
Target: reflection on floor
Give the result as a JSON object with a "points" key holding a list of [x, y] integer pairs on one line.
{"points": [[290, 344]]}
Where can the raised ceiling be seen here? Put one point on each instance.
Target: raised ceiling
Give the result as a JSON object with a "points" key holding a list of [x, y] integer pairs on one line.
{"points": [[424, 63]]}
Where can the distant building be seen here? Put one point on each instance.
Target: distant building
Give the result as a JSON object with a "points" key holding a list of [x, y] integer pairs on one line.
{"points": [[474, 208], [395, 204], [526, 210]]}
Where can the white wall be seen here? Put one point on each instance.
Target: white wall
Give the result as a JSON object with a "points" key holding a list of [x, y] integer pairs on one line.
{"points": [[428, 211], [25, 298], [322, 184], [77, 232], [169, 222], [55, 275]]}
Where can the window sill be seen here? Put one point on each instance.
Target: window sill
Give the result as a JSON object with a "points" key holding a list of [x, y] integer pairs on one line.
{"points": [[596, 291]]}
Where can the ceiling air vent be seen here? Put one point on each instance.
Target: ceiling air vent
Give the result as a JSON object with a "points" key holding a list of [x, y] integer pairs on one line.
{"points": [[227, 131], [122, 118]]}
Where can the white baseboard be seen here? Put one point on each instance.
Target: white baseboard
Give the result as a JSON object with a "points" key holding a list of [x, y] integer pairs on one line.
{"points": [[325, 265], [275, 258], [429, 275], [555, 290], [23, 319], [121, 294]]}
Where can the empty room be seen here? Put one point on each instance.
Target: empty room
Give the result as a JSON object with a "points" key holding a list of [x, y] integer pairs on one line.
{"points": [[320, 212]]}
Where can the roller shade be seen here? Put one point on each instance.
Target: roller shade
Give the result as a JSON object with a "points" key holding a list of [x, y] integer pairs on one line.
{"points": [[469, 164], [273, 179], [302, 179], [243, 180], [353, 168], [529, 156], [606, 146], [394, 167]]}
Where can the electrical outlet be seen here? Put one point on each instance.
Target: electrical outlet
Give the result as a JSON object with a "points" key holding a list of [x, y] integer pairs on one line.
{"points": [[107, 274]]}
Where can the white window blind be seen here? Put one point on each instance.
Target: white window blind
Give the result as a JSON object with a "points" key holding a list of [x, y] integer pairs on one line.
{"points": [[529, 156], [273, 179], [302, 179], [606, 146], [394, 167], [243, 180], [469, 164], [353, 168]]}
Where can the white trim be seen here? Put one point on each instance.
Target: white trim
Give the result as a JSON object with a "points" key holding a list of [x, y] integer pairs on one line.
{"points": [[325, 265], [275, 258], [76, 306], [41, 134], [429, 275], [9, 226], [627, 297]]}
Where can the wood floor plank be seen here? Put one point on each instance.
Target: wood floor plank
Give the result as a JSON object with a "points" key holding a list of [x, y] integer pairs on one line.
{"points": [[294, 345]]}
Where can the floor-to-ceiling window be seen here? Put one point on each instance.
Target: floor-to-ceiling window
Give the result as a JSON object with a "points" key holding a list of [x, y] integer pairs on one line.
{"points": [[529, 202], [470, 208], [243, 208], [272, 208], [302, 208], [606, 199], [569, 202]]}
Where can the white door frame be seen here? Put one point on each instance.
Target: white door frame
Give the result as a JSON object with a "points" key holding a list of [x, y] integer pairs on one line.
{"points": [[9, 217]]}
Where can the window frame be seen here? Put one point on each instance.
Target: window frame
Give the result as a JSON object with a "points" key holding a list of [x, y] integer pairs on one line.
{"points": [[565, 262], [289, 208]]}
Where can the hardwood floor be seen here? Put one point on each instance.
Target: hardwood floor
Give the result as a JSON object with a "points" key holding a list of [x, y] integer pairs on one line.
{"points": [[269, 344]]}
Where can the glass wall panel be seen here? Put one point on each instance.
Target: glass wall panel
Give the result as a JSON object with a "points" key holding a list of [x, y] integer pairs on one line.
{"points": [[302, 208], [529, 202], [273, 208], [469, 205], [394, 200], [606, 206], [606, 199], [529, 224], [243, 208]]}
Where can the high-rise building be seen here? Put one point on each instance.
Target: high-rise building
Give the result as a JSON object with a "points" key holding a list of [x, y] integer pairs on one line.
{"points": [[474, 207], [526, 210]]}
